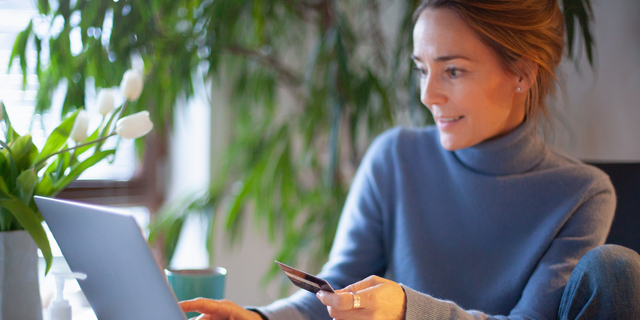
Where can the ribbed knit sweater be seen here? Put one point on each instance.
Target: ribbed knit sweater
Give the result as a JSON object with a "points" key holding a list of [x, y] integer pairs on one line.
{"points": [[488, 232]]}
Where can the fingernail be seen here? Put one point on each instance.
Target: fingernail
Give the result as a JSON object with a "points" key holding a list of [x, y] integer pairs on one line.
{"points": [[319, 294]]}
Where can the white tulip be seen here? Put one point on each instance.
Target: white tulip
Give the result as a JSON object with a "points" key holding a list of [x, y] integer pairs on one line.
{"points": [[105, 102], [131, 85], [134, 126], [80, 126]]}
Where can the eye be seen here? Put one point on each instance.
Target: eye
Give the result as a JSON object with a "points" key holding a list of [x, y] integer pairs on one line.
{"points": [[454, 72], [423, 73]]}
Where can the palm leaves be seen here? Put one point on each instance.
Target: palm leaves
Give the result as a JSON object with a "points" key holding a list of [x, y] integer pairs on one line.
{"points": [[582, 11]]}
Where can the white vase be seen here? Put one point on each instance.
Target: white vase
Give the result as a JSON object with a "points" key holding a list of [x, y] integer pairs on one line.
{"points": [[19, 290]]}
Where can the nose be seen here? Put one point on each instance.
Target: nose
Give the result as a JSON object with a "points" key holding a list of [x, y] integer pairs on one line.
{"points": [[431, 91]]}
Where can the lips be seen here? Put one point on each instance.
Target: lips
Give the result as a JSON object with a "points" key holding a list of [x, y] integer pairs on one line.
{"points": [[449, 119], [444, 123]]}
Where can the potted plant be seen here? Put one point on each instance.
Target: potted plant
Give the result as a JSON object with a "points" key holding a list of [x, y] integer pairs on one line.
{"points": [[26, 171]]}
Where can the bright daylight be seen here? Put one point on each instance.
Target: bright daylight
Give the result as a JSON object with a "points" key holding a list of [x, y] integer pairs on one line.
{"points": [[319, 159]]}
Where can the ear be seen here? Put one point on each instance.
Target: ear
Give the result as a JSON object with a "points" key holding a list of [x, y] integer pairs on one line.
{"points": [[526, 74]]}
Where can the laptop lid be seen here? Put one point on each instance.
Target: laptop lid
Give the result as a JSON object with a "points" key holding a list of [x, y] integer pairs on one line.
{"points": [[123, 279]]}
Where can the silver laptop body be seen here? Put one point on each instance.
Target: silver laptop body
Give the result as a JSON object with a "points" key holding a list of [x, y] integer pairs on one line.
{"points": [[123, 279]]}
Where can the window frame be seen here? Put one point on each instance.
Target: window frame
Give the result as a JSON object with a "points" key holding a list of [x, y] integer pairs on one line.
{"points": [[145, 188]]}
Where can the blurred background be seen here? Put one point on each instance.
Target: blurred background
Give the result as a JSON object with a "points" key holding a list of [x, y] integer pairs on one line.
{"points": [[262, 111]]}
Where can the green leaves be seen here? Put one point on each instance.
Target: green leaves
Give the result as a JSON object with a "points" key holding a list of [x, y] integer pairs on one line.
{"points": [[23, 151], [30, 221], [57, 139], [43, 6], [18, 204], [10, 172], [26, 185], [167, 227], [581, 10], [79, 168], [19, 50], [9, 133]]}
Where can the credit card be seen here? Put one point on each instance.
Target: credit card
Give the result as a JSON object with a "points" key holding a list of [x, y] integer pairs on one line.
{"points": [[304, 280]]}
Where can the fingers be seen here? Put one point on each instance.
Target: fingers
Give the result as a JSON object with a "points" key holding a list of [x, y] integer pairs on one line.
{"points": [[343, 299], [339, 301], [368, 282], [349, 314], [217, 310], [200, 305], [208, 306]]}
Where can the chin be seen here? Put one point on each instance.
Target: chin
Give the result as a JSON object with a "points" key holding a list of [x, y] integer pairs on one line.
{"points": [[450, 143]]}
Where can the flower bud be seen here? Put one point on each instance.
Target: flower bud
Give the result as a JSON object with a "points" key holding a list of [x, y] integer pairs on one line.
{"points": [[80, 126], [105, 102], [131, 85], [134, 126]]}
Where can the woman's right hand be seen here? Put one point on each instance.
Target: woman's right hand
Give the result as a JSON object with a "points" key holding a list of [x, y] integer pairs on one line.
{"points": [[218, 310]]}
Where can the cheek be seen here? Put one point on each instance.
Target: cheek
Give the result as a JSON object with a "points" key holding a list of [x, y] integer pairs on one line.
{"points": [[501, 89], [470, 99], [504, 94], [487, 100]]}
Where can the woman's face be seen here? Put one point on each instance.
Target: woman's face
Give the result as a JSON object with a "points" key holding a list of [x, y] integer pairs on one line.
{"points": [[471, 96]]}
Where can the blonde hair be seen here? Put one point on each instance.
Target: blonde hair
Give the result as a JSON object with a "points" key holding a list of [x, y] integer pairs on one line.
{"points": [[518, 31]]}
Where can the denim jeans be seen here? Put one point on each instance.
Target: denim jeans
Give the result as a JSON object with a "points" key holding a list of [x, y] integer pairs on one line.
{"points": [[604, 285]]}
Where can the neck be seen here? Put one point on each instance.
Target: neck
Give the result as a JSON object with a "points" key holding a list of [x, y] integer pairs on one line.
{"points": [[516, 152]]}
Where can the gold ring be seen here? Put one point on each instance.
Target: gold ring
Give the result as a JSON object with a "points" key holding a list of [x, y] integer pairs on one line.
{"points": [[356, 300]]}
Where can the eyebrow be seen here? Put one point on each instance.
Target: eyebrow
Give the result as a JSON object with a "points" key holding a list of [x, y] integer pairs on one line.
{"points": [[442, 58]]}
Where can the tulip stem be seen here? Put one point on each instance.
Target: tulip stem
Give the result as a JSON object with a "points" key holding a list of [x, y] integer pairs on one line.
{"points": [[124, 108], [73, 157], [120, 115], [73, 148]]}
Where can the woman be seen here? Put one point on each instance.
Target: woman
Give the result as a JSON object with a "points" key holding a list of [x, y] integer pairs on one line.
{"points": [[478, 217]]}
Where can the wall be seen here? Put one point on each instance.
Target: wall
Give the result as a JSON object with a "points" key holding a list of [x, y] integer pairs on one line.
{"points": [[599, 112], [200, 135]]}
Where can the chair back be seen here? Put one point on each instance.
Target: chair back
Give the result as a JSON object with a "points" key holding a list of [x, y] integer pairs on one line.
{"points": [[625, 177]]}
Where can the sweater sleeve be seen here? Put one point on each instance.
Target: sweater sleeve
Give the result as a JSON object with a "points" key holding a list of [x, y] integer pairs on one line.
{"points": [[358, 249], [586, 229]]}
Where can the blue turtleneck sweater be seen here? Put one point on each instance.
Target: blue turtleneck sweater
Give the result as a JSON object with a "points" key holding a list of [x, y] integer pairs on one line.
{"points": [[490, 231]]}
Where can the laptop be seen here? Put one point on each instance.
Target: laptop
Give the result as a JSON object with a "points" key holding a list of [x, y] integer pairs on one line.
{"points": [[124, 280]]}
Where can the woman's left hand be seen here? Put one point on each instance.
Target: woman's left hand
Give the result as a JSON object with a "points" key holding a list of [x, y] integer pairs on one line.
{"points": [[379, 299]]}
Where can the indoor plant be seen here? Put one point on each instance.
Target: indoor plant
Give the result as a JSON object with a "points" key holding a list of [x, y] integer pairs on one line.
{"points": [[26, 171]]}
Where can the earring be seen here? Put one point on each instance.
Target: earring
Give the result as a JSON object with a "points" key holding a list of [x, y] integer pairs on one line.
{"points": [[518, 89]]}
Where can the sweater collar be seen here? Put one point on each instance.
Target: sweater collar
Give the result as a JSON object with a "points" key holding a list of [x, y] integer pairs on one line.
{"points": [[517, 152]]}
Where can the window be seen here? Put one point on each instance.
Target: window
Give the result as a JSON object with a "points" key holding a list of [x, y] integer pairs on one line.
{"points": [[125, 181]]}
